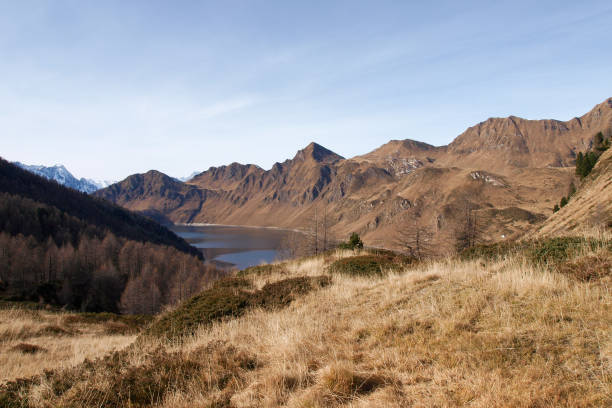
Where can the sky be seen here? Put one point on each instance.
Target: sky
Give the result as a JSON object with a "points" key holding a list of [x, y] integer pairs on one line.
{"points": [[111, 88]]}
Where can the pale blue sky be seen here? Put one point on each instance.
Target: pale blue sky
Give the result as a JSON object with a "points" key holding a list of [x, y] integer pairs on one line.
{"points": [[110, 88]]}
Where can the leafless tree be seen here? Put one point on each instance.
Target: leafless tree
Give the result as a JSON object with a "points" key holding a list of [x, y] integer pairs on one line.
{"points": [[413, 237], [468, 231]]}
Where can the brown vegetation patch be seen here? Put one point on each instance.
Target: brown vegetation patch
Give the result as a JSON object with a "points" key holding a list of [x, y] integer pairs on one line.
{"points": [[26, 348], [13, 394], [55, 330], [344, 382], [216, 369], [339, 384], [545, 251], [589, 268], [112, 323], [263, 270]]}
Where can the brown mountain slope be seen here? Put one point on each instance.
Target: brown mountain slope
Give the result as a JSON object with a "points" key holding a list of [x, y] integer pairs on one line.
{"points": [[510, 172], [589, 208]]}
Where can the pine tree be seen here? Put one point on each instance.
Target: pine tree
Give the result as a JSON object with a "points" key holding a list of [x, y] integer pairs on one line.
{"points": [[580, 164], [571, 190]]}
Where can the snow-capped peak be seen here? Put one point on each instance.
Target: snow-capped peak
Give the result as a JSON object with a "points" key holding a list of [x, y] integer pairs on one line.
{"points": [[60, 174]]}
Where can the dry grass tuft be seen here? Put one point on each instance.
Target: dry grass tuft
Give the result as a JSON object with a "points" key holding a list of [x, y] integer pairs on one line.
{"points": [[342, 382]]}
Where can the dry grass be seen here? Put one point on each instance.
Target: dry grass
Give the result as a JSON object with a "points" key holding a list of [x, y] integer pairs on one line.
{"points": [[449, 333], [32, 341]]}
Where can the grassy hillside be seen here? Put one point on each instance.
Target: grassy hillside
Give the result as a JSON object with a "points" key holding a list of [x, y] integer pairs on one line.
{"points": [[34, 340], [522, 326]]}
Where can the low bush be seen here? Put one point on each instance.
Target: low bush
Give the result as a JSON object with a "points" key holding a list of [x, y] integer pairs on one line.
{"points": [[282, 293], [589, 268], [23, 305], [263, 270], [230, 298], [373, 264], [13, 393], [216, 369], [26, 348], [114, 323], [549, 251], [210, 305]]}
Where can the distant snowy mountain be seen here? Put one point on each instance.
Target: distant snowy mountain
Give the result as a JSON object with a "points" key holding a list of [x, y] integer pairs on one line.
{"points": [[60, 174], [192, 175], [101, 183]]}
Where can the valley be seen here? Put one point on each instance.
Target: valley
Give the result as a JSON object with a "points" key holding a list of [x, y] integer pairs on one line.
{"points": [[491, 300], [284, 204], [507, 172]]}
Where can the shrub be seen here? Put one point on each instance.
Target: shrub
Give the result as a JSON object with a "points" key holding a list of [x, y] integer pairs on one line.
{"points": [[369, 265], [354, 242], [280, 294], [26, 348], [589, 268], [230, 298], [262, 270], [552, 251], [113, 323], [210, 305], [12, 393]]}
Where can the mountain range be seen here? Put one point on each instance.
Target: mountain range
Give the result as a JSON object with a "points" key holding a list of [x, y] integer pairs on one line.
{"points": [[60, 174], [507, 172]]}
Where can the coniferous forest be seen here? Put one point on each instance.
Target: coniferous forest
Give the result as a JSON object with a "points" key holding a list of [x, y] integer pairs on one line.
{"points": [[61, 247]]}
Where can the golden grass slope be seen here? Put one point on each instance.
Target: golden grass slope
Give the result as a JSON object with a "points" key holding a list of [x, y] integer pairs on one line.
{"points": [[476, 333], [35, 340]]}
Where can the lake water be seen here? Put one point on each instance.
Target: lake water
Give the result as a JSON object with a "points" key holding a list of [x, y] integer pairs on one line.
{"points": [[240, 246]]}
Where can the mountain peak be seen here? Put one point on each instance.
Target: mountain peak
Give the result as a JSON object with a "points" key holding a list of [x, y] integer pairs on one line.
{"points": [[317, 153], [60, 174]]}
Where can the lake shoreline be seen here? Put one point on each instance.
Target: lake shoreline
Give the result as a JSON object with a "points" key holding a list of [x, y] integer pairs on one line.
{"points": [[235, 246], [199, 224]]}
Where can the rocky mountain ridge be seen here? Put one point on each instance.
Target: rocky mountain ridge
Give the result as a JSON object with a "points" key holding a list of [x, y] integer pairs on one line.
{"points": [[508, 171], [60, 174]]}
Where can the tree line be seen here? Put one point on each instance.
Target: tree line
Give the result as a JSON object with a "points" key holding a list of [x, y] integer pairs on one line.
{"points": [[584, 165], [54, 257], [108, 274], [96, 213]]}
